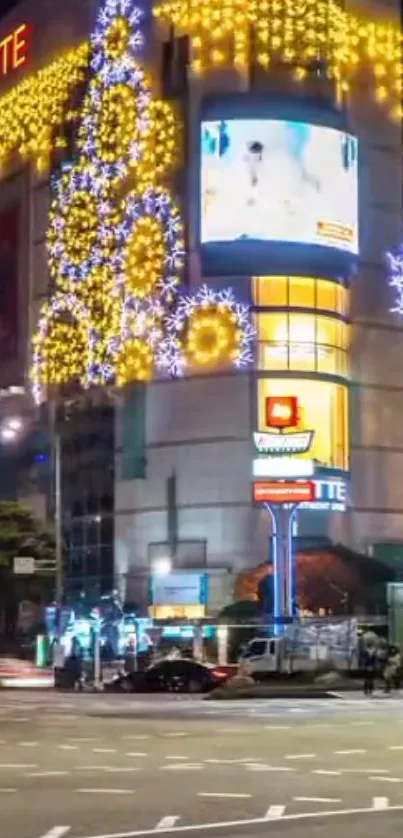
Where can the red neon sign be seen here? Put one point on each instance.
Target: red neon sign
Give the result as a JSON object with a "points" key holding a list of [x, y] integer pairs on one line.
{"points": [[281, 411], [283, 491], [14, 49]]}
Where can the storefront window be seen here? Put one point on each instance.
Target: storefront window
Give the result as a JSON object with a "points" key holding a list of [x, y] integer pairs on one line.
{"points": [[301, 342], [300, 292], [322, 408], [270, 291]]}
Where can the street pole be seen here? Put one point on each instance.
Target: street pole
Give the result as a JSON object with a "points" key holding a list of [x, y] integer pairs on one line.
{"points": [[57, 504], [58, 518]]}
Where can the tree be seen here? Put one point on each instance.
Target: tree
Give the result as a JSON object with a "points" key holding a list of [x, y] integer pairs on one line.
{"points": [[22, 534]]}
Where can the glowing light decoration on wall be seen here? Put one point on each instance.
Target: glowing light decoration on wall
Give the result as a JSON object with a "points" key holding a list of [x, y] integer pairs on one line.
{"points": [[206, 331], [295, 33], [115, 240], [395, 261]]}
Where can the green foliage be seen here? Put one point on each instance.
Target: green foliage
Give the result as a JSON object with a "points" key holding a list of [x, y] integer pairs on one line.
{"points": [[22, 534]]}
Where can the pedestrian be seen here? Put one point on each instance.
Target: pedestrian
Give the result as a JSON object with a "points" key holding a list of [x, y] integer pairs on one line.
{"points": [[370, 664], [391, 672], [59, 659]]}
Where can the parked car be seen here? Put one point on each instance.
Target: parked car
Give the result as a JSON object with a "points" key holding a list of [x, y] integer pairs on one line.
{"points": [[173, 675]]}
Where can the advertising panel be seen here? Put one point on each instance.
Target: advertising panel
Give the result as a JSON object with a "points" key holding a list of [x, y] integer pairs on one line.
{"points": [[298, 491], [278, 181], [9, 269], [178, 589]]}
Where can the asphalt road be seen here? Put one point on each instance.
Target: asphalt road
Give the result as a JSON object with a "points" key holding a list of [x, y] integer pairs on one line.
{"points": [[86, 766]]}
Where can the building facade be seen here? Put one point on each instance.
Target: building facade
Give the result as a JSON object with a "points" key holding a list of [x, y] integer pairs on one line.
{"points": [[168, 471]]}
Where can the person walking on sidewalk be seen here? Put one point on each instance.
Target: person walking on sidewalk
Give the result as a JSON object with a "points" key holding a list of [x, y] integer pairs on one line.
{"points": [[370, 665]]}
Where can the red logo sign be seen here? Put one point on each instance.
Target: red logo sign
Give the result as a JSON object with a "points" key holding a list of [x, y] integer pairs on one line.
{"points": [[283, 491], [14, 50], [281, 411]]}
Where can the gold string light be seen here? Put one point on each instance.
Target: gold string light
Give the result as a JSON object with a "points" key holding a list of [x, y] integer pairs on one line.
{"points": [[293, 32], [135, 362], [144, 257], [213, 337], [33, 113]]}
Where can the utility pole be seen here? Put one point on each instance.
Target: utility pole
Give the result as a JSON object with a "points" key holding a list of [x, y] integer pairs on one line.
{"points": [[57, 504], [58, 516]]}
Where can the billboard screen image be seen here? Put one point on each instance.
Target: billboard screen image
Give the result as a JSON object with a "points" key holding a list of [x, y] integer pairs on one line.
{"points": [[268, 180]]}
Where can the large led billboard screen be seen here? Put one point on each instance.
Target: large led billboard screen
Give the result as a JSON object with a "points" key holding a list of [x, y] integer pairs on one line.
{"points": [[276, 181]]}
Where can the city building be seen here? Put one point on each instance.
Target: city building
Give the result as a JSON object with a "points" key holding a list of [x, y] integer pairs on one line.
{"points": [[162, 475]]}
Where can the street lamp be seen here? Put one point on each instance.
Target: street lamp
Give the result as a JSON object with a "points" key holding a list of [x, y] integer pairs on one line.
{"points": [[10, 429]]}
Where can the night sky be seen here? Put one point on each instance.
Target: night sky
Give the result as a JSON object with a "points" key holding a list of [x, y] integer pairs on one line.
{"points": [[7, 5]]}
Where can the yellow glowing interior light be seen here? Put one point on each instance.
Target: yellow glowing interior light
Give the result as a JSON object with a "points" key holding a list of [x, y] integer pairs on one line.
{"points": [[322, 408]]}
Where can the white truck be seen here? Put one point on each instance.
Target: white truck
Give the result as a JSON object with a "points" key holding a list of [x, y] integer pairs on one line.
{"points": [[301, 648]]}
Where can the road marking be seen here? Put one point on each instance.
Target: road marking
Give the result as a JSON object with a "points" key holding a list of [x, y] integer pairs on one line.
{"points": [[300, 756], [134, 754], [68, 747], [365, 771], [182, 766], [258, 766], [48, 774], [105, 751], [395, 748], [227, 761], [277, 727], [380, 802], [8, 791], [327, 773], [178, 733], [28, 744], [167, 822], [105, 791], [318, 799], [174, 756], [301, 816], [137, 736], [387, 779], [274, 813], [11, 765], [108, 768], [222, 794], [57, 832], [351, 751]]}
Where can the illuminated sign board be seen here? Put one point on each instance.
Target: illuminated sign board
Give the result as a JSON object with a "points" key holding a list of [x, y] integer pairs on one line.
{"points": [[282, 467], [330, 496], [281, 411], [14, 49], [286, 492], [287, 182], [276, 443]]}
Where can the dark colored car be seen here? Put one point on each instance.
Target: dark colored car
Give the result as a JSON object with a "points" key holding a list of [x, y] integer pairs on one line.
{"points": [[173, 675]]}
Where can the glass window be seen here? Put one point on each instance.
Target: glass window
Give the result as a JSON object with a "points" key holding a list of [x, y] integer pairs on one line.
{"points": [[326, 293], [273, 356], [272, 327], [302, 291], [322, 408], [270, 291]]}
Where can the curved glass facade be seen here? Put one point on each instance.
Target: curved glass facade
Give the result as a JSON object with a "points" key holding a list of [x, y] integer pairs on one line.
{"points": [[302, 330]]}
